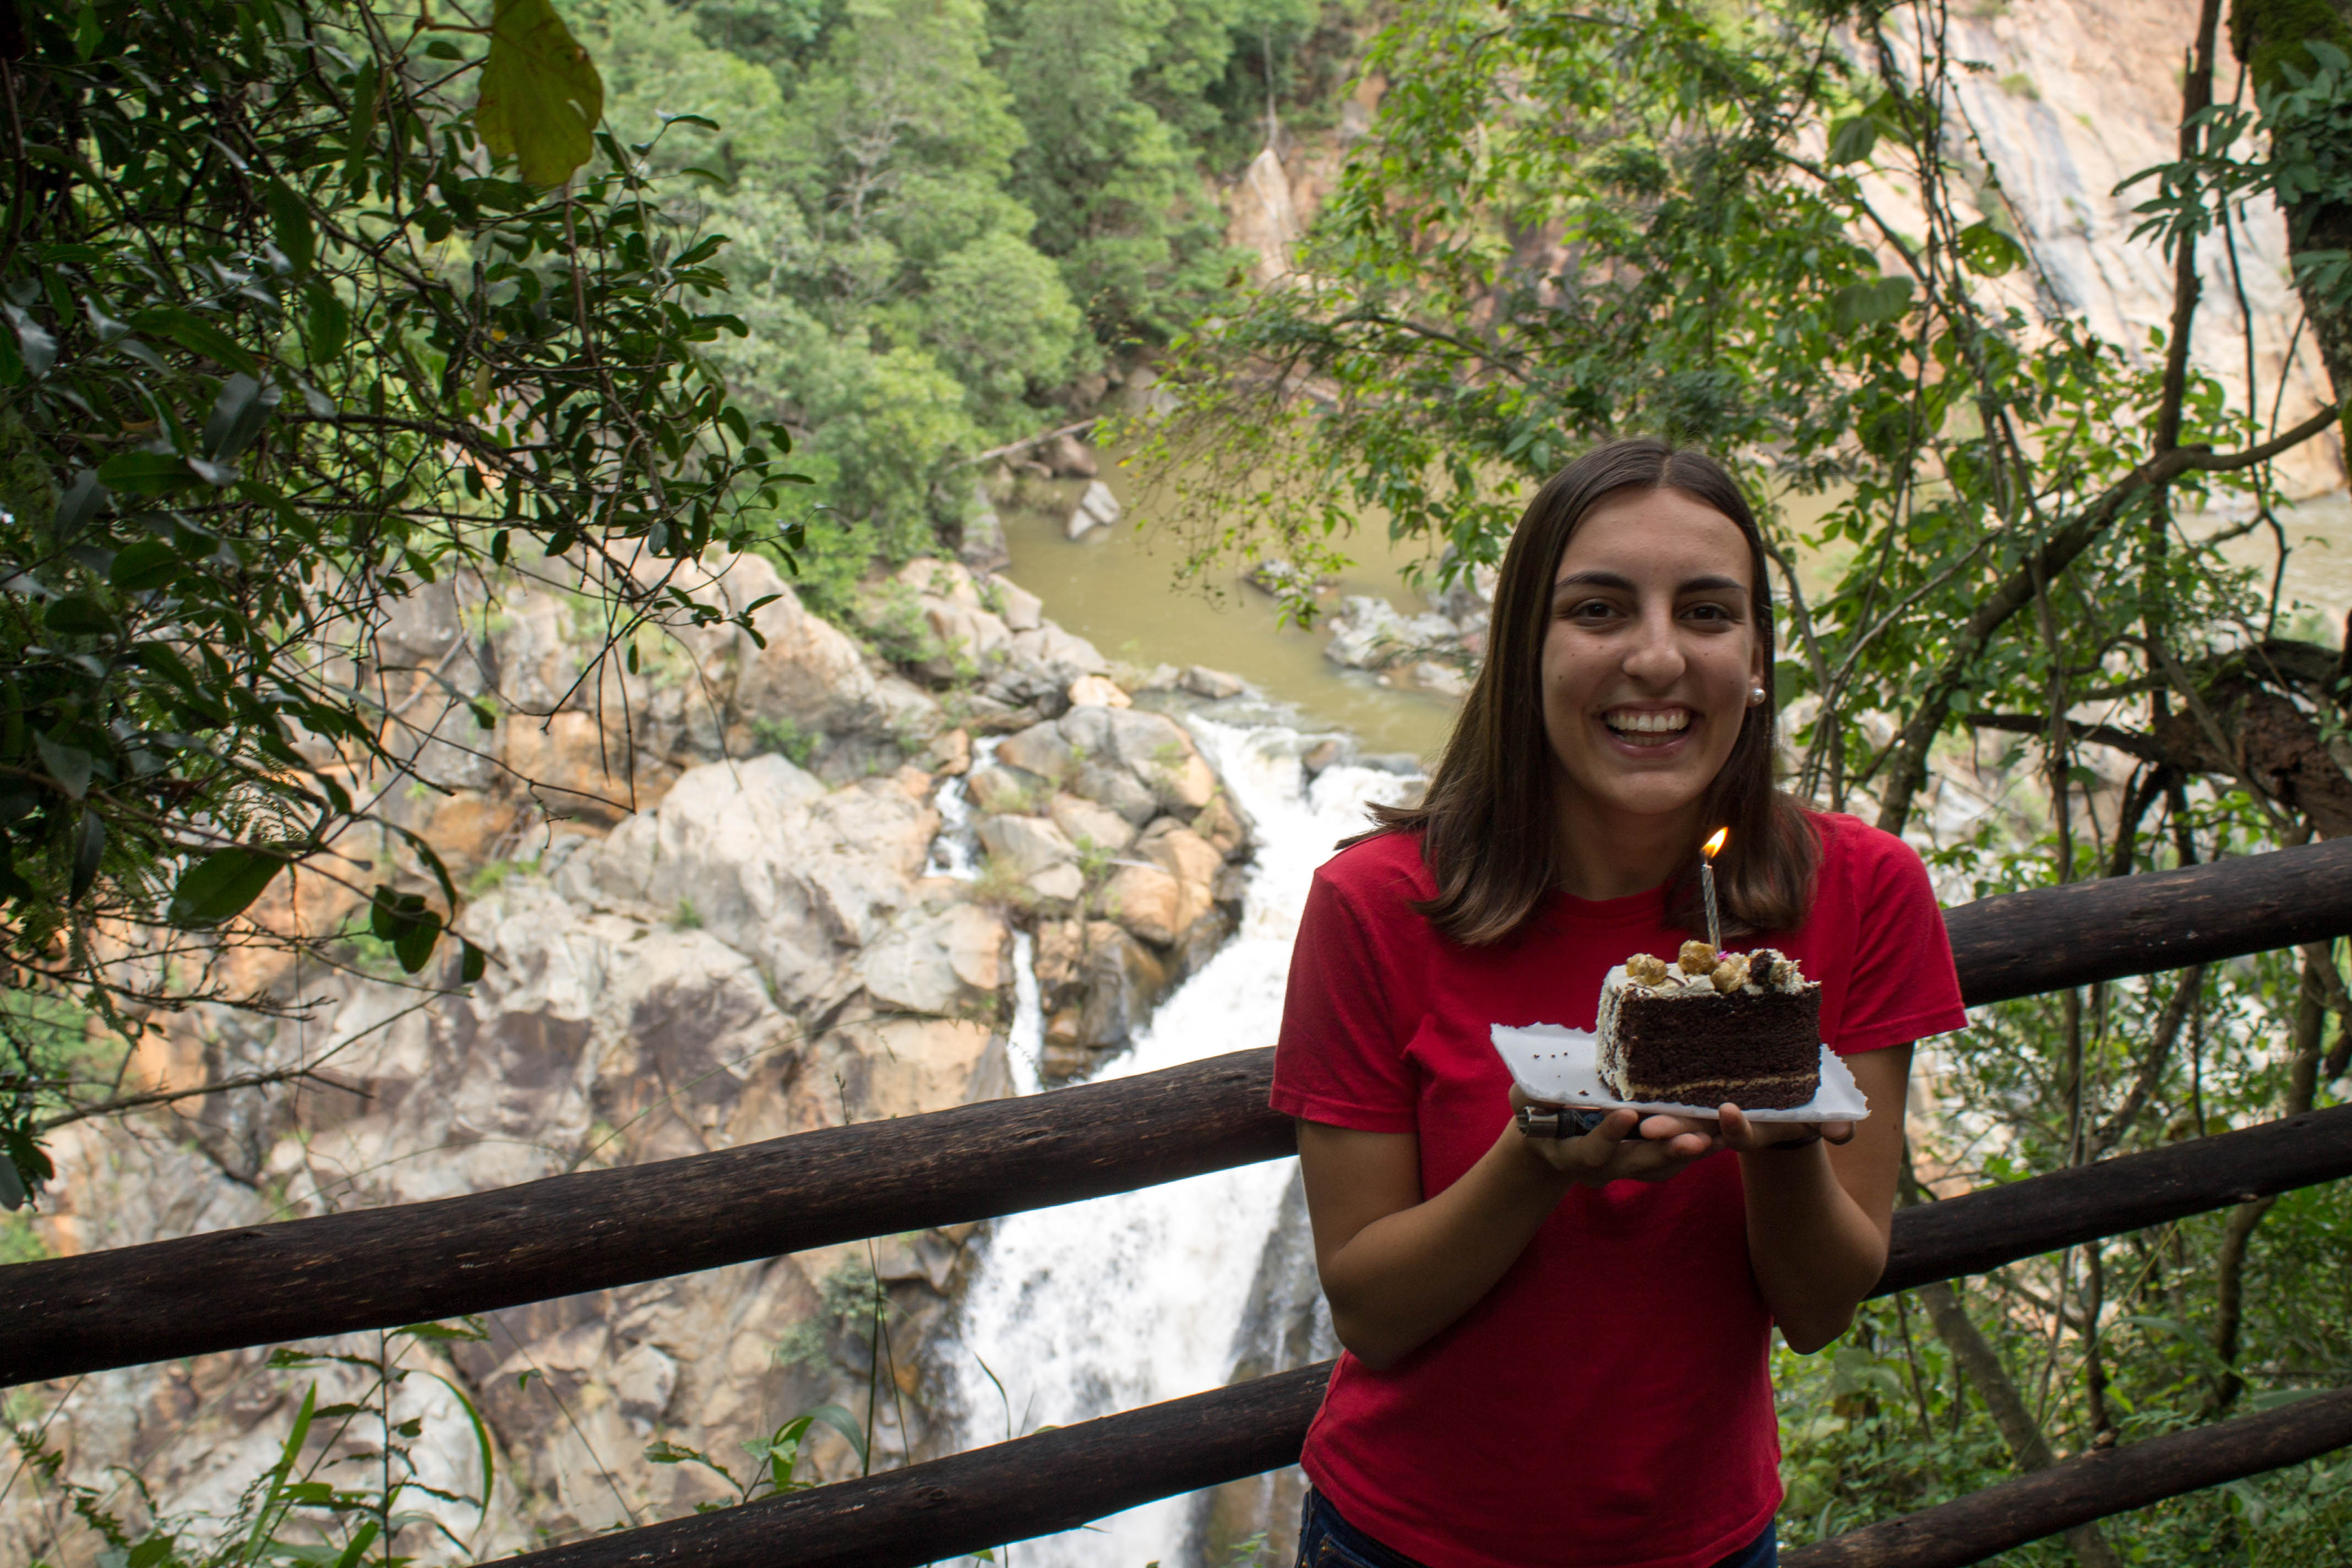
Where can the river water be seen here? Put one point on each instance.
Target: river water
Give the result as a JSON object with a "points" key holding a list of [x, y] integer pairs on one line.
{"points": [[1091, 1308]]}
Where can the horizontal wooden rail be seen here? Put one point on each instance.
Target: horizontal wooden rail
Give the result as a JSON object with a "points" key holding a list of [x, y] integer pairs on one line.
{"points": [[1059, 1479], [597, 1230], [2075, 1492], [936, 1510], [413, 1262], [1994, 1226], [2022, 944]]}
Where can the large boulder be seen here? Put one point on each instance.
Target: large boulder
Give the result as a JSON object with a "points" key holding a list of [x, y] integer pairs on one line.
{"points": [[1150, 748], [761, 855], [1026, 844], [951, 963], [1086, 824]]}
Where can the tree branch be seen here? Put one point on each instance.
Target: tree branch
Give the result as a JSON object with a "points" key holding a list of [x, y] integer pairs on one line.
{"points": [[1909, 755]]}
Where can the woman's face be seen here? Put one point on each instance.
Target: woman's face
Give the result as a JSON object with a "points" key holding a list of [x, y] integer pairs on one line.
{"points": [[1649, 658]]}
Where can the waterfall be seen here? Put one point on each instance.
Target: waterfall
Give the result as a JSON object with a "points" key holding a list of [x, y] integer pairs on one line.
{"points": [[1096, 1307]]}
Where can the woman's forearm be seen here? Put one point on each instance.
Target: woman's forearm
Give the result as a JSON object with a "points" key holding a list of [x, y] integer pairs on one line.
{"points": [[1813, 1250], [1408, 1275]]}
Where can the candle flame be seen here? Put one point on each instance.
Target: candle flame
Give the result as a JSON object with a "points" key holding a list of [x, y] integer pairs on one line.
{"points": [[1712, 846]]}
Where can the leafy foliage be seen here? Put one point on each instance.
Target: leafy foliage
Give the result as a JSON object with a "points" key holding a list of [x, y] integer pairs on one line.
{"points": [[345, 1485], [291, 338]]}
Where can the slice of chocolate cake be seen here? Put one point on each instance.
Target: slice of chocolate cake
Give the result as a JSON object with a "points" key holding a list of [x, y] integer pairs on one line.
{"points": [[1743, 1028]]}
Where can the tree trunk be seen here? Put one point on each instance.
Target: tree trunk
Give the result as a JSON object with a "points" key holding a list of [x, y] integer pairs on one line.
{"points": [[1982, 1363], [2269, 34], [2237, 1236]]}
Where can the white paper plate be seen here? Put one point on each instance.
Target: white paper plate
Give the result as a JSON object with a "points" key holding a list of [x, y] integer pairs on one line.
{"points": [[1559, 1067]]}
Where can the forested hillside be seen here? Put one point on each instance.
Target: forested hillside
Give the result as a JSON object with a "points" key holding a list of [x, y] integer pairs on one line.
{"points": [[947, 217]]}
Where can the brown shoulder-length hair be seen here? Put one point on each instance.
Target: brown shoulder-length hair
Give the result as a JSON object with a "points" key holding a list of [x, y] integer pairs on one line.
{"points": [[1487, 820]]}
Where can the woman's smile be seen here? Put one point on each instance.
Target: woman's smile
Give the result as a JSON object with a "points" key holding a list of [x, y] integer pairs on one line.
{"points": [[1649, 729]]}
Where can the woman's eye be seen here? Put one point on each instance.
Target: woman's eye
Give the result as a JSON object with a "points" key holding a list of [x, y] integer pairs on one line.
{"points": [[1715, 613], [1591, 610]]}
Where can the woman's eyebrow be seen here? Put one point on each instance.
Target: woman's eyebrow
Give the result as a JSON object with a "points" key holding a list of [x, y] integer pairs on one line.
{"points": [[1596, 578]]}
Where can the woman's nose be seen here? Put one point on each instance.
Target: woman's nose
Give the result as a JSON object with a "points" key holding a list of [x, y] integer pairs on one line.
{"points": [[1654, 656]]}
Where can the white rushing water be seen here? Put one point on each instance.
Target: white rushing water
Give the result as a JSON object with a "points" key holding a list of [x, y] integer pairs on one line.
{"points": [[1101, 1306]]}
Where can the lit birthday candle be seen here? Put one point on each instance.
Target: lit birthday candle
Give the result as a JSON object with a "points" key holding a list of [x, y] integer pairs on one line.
{"points": [[1707, 886]]}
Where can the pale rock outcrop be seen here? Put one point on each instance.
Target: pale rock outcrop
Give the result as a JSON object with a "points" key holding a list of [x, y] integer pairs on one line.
{"points": [[1151, 748], [1148, 900], [1098, 508], [1086, 824], [1069, 457], [998, 788], [1023, 611], [952, 963], [1027, 843]]}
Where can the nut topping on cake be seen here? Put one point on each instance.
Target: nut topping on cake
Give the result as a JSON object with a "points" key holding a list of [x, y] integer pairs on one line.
{"points": [[1731, 974], [1697, 958], [1647, 969]]}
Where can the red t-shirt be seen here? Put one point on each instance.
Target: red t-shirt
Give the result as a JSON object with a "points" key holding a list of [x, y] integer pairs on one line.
{"points": [[1609, 1401]]}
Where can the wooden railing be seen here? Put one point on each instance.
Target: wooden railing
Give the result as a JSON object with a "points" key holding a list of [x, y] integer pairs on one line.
{"points": [[592, 1230]]}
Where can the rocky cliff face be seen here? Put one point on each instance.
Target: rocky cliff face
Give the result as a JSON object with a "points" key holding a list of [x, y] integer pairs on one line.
{"points": [[2061, 104], [719, 907]]}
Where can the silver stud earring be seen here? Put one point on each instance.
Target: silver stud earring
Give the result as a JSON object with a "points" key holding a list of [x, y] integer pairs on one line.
{"points": [[1755, 697]]}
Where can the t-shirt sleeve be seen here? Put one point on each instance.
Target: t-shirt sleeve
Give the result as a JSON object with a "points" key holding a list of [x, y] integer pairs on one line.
{"points": [[1340, 1059], [1903, 986]]}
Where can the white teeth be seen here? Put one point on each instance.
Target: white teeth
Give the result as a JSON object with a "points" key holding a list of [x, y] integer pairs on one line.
{"points": [[1650, 723]]}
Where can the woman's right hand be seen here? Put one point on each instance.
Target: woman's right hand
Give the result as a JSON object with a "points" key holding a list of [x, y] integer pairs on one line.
{"points": [[1625, 1147]]}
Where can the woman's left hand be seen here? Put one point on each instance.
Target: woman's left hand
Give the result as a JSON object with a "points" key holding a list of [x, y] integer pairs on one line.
{"points": [[1747, 1137], [1731, 1129]]}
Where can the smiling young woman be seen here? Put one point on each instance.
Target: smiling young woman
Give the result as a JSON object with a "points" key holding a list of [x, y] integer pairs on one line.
{"points": [[1558, 1352]]}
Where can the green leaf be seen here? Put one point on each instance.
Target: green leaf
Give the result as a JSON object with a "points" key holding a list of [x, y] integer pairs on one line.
{"points": [[223, 885], [88, 848], [196, 335], [540, 97], [1851, 139], [238, 413], [414, 946], [79, 615], [402, 920], [366, 83], [843, 1422], [25, 1162], [1988, 252], [329, 325], [145, 473], [38, 346], [1869, 304], [289, 219], [472, 963], [82, 503], [70, 765], [144, 566]]}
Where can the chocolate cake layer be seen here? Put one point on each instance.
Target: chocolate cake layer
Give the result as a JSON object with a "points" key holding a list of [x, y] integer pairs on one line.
{"points": [[1755, 1047]]}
